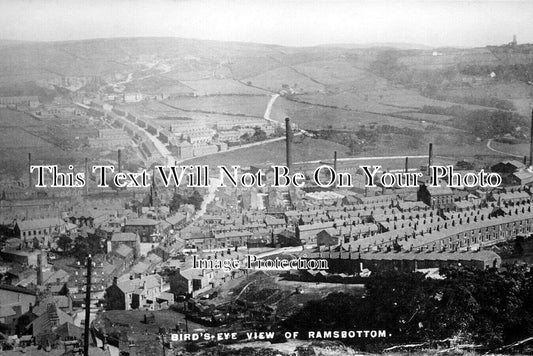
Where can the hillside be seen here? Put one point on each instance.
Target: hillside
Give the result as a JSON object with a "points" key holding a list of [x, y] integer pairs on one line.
{"points": [[363, 98]]}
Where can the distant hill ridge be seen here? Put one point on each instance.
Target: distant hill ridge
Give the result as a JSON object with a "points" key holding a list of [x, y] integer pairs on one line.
{"points": [[397, 45]]}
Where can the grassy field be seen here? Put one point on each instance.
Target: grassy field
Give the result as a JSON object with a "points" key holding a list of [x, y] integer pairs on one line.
{"points": [[157, 85], [316, 117], [275, 79], [150, 109], [353, 100], [523, 105], [448, 57], [246, 105], [332, 71], [213, 86], [520, 149], [306, 150], [21, 134], [345, 89], [429, 117], [309, 149], [492, 89], [17, 138], [189, 74], [250, 66]]}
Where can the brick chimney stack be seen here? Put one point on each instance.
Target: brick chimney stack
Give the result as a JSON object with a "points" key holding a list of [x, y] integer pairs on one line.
{"points": [[40, 269], [29, 171], [288, 141], [531, 143], [430, 157]]}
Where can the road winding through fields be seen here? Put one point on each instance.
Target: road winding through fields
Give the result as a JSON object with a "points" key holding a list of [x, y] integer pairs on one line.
{"points": [[171, 160], [267, 117], [489, 142], [268, 110]]}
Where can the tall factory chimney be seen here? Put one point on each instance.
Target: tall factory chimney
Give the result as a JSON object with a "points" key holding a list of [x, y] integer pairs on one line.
{"points": [[86, 176], [288, 141], [531, 143], [335, 164], [119, 160], [430, 157], [29, 171], [40, 269]]}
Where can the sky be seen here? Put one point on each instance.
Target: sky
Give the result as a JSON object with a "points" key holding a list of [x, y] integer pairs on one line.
{"points": [[285, 22]]}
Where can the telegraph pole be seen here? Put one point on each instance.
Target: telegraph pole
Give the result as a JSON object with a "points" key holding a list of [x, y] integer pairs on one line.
{"points": [[87, 306]]}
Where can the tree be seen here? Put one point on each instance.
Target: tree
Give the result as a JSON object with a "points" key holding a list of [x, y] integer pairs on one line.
{"points": [[196, 199], [259, 135], [176, 202], [80, 249], [414, 142], [519, 250], [64, 242], [353, 145], [278, 131], [491, 307], [89, 245], [245, 137]]}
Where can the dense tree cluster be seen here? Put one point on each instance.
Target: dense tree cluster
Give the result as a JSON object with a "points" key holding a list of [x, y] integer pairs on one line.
{"points": [[434, 83], [386, 65], [81, 246], [490, 102], [367, 136], [178, 200], [482, 123], [489, 307], [503, 72], [258, 135], [84, 246]]}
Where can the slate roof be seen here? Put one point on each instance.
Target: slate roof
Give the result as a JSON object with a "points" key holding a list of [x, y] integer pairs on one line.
{"points": [[440, 191], [124, 237], [482, 255], [123, 250], [141, 222], [131, 285], [46, 321], [37, 224]]}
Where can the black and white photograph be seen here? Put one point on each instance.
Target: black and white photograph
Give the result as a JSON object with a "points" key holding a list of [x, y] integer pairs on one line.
{"points": [[266, 177]]}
